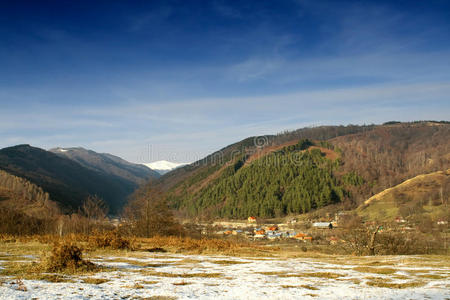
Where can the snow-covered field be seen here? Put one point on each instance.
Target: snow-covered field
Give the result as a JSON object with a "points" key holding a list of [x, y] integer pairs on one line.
{"points": [[176, 276]]}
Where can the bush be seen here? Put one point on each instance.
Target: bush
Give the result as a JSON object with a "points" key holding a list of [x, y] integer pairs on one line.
{"points": [[67, 257], [110, 239]]}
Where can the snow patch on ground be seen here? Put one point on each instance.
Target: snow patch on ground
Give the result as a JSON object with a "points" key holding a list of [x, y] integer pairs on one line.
{"points": [[224, 277]]}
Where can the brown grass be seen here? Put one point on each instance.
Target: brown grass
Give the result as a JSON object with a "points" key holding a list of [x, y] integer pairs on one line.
{"points": [[385, 271], [147, 272], [110, 239], [316, 275], [91, 280], [405, 285], [228, 262], [182, 283], [308, 274], [67, 258], [432, 276]]}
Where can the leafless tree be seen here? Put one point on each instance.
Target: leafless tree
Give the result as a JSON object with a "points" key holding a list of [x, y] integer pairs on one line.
{"points": [[149, 214]]}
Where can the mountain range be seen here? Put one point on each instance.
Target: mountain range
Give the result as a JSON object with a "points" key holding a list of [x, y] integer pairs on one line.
{"points": [[71, 175], [293, 172]]}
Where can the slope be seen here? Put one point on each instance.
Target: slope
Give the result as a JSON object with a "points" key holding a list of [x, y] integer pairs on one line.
{"points": [[67, 181], [368, 159], [423, 195], [107, 164]]}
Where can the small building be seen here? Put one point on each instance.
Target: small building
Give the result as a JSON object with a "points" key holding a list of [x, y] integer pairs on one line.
{"points": [[400, 220], [261, 231], [251, 219], [323, 225], [333, 240], [300, 236]]}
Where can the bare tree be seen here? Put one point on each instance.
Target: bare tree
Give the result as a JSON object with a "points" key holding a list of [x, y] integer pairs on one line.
{"points": [[94, 209], [149, 214]]}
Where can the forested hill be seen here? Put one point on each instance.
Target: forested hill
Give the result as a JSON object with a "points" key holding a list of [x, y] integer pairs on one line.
{"points": [[19, 194], [276, 175], [67, 182]]}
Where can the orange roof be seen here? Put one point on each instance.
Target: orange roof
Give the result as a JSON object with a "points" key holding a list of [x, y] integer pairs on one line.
{"points": [[298, 235]]}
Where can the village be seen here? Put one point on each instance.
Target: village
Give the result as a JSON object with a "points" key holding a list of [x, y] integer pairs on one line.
{"points": [[323, 231], [254, 229]]}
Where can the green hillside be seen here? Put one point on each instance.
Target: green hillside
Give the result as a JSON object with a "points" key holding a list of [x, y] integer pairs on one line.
{"points": [[347, 165], [286, 181]]}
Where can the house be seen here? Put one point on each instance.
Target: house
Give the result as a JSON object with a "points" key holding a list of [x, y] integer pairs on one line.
{"points": [[300, 236], [274, 235], [333, 240], [323, 225], [400, 220], [251, 219], [261, 231]]}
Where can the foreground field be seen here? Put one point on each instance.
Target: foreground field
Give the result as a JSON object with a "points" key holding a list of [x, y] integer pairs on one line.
{"points": [[145, 275]]}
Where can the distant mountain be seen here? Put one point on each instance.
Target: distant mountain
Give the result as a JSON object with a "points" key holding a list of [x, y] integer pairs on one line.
{"points": [[108, 164], [67, 181], [164, 166]]}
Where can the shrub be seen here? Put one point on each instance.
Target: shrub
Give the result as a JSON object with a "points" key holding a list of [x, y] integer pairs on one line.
{"points": [[67, 257], [110, 239]]}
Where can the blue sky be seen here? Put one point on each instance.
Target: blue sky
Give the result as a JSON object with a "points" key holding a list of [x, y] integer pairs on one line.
{"points": [[176, 80]]}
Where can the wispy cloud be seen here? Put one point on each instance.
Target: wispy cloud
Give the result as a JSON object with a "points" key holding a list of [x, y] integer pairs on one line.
{"points": [[200, 125]]}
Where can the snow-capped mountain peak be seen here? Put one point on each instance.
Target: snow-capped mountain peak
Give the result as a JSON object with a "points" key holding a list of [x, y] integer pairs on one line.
{"points": [[164, 166]]}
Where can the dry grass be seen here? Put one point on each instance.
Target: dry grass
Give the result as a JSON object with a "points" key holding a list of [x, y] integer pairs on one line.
{"points": [[228, 262], [182, 283], [160, 298], [383, 283], [432, 276], [91, 280], [147, 272], [384, 271], [315, 275], [272, 273], [111, 240], [304, 286], [307, 274], [63, 259], [134, 262], [67, 258], [197, 246]]}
